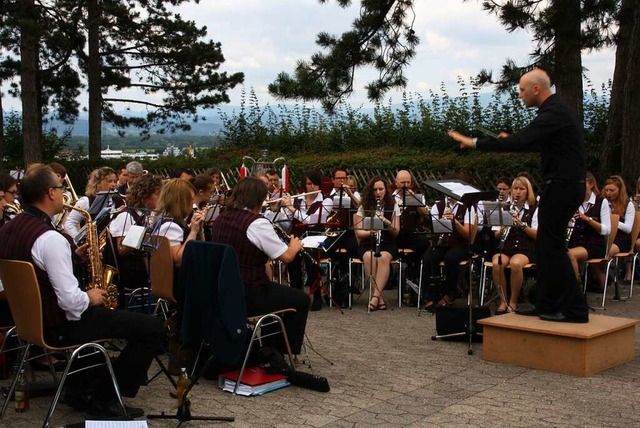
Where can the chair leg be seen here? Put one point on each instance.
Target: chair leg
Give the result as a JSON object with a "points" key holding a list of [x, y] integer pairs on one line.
{"points": [[74, 355], [420, 284], [633, 273], [399, 283], [330, 283], [259, 324], [606, 282]]}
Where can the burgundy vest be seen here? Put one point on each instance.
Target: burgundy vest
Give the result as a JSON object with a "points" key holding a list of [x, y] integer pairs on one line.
{"points": [[298, 227], [231, 228], [18, 237], [453, 239], [518, 240], [583, 233]]}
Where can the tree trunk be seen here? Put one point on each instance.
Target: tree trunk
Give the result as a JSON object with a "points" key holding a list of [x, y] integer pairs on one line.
{"points": [[29, 63], [630, 128], [94, 79], [568, 60]]}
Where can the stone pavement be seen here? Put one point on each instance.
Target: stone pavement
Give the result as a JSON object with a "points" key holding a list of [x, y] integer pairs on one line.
{"points": [[385, 370]]}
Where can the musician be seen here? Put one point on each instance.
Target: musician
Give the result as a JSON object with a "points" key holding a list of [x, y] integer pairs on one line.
{"points": [[123, 177], [503, 186], [377, 202], [100, 180], [615, 192], [187, 174], [345, 200], [72, 315], [308, 211], [255, 242], [411, 219], [176, 201], [518, 244], [143, 195], [134, 170], [451, 248], [9, 187], [592, 223], [205, 186], [218, 182], [276, 212]]}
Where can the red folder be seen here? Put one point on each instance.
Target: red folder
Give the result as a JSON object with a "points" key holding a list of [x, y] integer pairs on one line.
{"points": [[253, 376]]}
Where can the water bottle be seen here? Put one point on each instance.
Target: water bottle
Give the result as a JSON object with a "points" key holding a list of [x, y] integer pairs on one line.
{"points": [[183, 384], [21, 394]]}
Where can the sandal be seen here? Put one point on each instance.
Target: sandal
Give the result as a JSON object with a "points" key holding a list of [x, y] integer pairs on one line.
{"points": [[382, 306], [373, 307]]}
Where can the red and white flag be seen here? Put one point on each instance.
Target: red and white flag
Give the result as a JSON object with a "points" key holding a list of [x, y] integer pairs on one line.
{"points": [[243, 171]]}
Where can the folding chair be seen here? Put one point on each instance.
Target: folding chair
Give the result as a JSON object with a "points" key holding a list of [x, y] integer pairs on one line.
{"points": [[23, 293], [215, 308], [609, 260], [632, 253]]}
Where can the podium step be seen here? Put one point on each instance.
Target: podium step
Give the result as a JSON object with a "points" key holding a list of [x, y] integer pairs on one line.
{"points": [[576, 349]]}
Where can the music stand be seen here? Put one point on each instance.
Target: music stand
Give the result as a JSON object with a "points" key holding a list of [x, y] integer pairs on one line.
{"points": [[318, 241], [464, 192], [495, 215]]}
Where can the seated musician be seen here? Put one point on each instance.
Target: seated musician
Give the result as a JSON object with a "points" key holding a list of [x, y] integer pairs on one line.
{"points": [[345, 201], [411, 219], [134, 170], [204, 185], [308, 213], [5, 313], [452, 248], [9, 187], [181, 224], [72, 315], [143, 195], [100, 180], [377, 255], [255, 242], [636, 204], [518, 244], [592, 223], [276, 212]]}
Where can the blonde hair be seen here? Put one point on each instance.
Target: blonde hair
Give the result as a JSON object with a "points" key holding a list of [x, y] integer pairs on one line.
{"points": [[95, 178], [176, 199], [531, 197]]}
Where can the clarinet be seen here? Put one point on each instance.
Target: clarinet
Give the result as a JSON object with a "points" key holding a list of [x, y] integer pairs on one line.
{"points": [[447, 204], [513, 210], [286, 239], [378, 232]]}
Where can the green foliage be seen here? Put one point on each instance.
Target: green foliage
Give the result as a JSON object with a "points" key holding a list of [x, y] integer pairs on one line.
{"points": [[12, 149]]}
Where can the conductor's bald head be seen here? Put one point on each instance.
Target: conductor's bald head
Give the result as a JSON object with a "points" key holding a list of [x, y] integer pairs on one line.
{"points": [[535, 87]]}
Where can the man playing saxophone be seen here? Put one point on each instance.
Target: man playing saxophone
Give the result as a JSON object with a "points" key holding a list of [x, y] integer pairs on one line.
{"points": [[72, 315]]}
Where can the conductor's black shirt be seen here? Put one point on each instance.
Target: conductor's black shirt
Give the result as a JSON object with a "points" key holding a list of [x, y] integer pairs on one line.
{"points": [[556, 133]]}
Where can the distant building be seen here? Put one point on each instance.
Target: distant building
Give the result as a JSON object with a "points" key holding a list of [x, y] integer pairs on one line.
{"points": [[172, 150], [111, 154], [141, 154]]}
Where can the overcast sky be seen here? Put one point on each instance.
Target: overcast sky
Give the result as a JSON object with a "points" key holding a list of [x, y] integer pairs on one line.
{"points": [[263, 37]]}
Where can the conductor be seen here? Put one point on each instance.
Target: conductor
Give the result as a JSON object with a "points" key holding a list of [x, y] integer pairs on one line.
{"points": [[557, 134]]}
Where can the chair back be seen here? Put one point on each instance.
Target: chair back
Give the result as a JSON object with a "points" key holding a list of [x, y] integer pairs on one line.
{"points": [[615, 218], [23, 293], [635, 231], [162, 272]]}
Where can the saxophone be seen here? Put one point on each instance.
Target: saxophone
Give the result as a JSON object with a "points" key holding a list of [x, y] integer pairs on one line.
{"points": [[101, 275]]}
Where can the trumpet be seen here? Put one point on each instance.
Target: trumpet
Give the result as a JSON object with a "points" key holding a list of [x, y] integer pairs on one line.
{"points": [[300, 195], [11, 209]]}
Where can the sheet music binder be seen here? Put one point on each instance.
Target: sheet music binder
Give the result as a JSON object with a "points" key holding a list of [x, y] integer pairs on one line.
{"points": [[461, 191]]}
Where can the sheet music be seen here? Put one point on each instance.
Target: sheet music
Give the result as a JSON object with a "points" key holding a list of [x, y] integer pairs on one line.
{"points": [[442, 226], [313, 241], [459, 188], [116, 424]]}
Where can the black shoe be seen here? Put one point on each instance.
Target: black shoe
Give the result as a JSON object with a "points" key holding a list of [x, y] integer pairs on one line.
{"points": [[528, 310], [317, 303], [111, 409], [76, 398], [560, 317]]}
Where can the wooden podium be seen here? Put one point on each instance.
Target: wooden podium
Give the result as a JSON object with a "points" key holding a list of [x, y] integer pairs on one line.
{"points": [[576, 349]]}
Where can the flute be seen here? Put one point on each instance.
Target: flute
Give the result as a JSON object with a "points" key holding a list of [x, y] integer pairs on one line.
{"points": [[270, 201]]}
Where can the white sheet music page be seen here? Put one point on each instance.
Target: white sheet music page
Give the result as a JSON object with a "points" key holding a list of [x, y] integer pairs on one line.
{"points": [[459, 188], [116, 424], [313, 241]]}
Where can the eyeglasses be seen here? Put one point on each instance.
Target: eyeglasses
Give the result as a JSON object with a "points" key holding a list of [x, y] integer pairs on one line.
{"points": [[340, 178], [13, 192], [57, 187]]}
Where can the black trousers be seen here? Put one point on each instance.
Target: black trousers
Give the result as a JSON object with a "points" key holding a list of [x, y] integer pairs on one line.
{"points": [[452, 256], [272, 297], [142, 332], [557, 288]]}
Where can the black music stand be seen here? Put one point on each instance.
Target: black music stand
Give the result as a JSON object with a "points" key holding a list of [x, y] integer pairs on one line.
{"points": [[315, 240], [495, 215], [464, 192]]}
